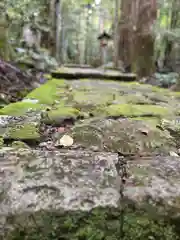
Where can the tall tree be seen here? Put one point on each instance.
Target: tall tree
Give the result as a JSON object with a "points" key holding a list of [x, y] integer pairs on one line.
{"points": [[136, 37], [175, 15], [116, 35], [55, 16]]}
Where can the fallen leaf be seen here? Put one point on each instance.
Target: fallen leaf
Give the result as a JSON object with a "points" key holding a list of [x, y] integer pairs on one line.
{"points": [[66, 141], [173, 154]]}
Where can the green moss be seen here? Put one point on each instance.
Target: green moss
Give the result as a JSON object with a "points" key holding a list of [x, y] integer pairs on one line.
{"points": [[134, 83], [64, 70], [132, 110], [23, 132], [166, 92], [175, 94], [19, 108], [19, 144], [98, 224], [47, 76], [155, 89], [49, 92], [136, 99], [60, 113], [160, 90], [22, 94], [151, 121], [92, 98]]}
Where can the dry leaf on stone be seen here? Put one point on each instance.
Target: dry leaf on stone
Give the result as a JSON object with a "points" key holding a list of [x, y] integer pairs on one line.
{"points": [[65, 141], [178, 151], [173, 154]]}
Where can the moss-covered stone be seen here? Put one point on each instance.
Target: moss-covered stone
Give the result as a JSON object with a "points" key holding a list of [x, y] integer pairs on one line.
{"points": [[22, 93], [88, 97], [130, 84], [49, 92], [89, 101], [85, 96], [27, 131], [126, 136], [20, 108], [73, 194], [136, 99], [47, 76], [135, 110], [102, 99], [175, 94], [19, 145], [60, 113], [151, 121]]}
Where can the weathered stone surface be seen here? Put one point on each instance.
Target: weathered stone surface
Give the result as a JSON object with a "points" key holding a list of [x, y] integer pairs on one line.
{"points": [[73, 193], [77, 73], [154, 185], [38, 187], [98, 98], [71, 180], [123, 135]]}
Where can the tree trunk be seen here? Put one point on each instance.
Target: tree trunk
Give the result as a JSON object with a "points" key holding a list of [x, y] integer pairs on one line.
{"points": [[136, 38], [173, 25], [125, 33], [58, 29], [82, 37], [87, 40], [116, 35], [6, 52], [52, 23], [101, 29]]}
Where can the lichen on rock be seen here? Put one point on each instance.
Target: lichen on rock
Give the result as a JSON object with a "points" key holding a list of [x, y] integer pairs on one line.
{"points": [[60, 113], [126, 136], [73, 194]]}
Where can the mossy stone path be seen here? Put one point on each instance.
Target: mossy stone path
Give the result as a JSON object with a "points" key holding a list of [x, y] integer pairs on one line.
{"points": [[73, 193], [86, 98]]}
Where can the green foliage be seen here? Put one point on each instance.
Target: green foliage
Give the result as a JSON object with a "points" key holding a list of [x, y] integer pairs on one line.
{"points": [[98, 224], [166, 79], [80, 25]]}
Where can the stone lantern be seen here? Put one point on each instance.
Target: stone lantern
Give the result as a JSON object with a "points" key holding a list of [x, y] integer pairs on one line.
{"points": [[104, 39]]}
